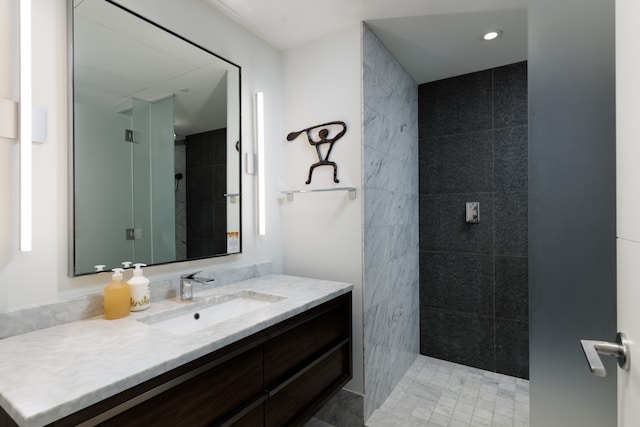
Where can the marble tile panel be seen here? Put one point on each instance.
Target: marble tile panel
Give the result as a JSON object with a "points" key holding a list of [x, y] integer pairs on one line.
{"points": [[458, 423], [402, 106], [404, 146], [378, 241], [404, 241], [389, 173], [479, 412], [378, 132], [380, 171], [377, 94], [485, 404], [439, 419], [396, 140], [20, 321], [404, 209], [377, 207], [425, 378], [379, 282], [378, 57], [391, 324], [480, 422]]}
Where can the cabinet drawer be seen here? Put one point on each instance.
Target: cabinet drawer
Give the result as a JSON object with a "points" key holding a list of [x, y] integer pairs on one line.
{"points": [[203, 399], [300, 399], [287, 352], [252, 419]]}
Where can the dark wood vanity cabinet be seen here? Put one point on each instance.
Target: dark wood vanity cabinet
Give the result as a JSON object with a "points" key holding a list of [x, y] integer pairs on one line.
{"points": [[209, 396], [280, 376], [305, 363]]}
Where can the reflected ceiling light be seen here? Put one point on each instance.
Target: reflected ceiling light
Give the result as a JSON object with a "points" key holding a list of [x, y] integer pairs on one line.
{"points": [[491, 35]]}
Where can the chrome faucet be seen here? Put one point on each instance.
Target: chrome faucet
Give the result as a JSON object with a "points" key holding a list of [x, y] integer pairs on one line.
{"points": [[186, 284]]}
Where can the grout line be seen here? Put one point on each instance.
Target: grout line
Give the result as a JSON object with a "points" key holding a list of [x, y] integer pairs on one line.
{"points": [[493, 200], [489, 129]]}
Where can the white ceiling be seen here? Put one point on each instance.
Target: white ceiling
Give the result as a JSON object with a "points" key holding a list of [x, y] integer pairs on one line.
{"points": [[432, 39]]}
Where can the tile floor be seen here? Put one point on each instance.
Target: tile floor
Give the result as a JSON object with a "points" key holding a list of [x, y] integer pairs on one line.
{"points": [[436, 393]]}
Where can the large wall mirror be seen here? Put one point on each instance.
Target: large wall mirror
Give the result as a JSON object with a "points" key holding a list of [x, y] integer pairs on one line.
{"points": [[156, 143]]}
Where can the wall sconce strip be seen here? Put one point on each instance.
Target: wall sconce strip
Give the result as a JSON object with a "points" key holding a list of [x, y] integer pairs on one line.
{"points": [[26, 197], [261, 168]]}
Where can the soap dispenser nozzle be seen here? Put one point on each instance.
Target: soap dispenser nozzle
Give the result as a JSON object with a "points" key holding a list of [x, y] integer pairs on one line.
{"points": [[137, 271], [117, 273]]}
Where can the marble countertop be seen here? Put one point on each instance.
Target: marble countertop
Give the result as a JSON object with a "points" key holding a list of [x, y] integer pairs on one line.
{"points": [[48, 374]]}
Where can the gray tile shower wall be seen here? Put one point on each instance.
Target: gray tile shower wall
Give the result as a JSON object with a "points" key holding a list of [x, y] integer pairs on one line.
{"points": [[473, 277], [206, 170], [391, 244]]}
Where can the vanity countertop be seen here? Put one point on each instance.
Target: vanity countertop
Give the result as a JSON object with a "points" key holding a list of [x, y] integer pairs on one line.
{"points": [[48, 374]]}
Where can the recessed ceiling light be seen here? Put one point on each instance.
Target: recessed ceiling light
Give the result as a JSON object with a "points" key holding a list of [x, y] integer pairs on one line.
{"points": [[491, 35]]}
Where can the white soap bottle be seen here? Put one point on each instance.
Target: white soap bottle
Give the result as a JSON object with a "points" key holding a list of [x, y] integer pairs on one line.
{"points": [[140, 289]]}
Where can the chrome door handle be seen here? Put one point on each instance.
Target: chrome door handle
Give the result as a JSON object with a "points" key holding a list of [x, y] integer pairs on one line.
{"points": [[619, 349]]}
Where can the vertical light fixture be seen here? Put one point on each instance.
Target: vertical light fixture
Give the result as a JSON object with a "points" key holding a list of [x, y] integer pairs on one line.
{"points": [[25, 127], [262, 222]]}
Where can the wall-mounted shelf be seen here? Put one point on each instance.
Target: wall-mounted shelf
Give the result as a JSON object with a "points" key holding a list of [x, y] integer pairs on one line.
{"points": [[351, 190], [232, 196]]}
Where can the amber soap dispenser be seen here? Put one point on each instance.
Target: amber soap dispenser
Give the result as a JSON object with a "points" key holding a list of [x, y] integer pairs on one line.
{"points": [[117, 295]]}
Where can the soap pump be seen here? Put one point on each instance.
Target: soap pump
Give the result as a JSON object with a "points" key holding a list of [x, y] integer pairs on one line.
{"points": [[140, 289], [116, 297]]}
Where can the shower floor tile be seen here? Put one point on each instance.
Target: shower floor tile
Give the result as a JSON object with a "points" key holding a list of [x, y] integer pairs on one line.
{"points": [[437, 393]]}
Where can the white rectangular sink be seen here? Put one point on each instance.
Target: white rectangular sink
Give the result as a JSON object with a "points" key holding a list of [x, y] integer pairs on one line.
{"points": [[210, 313]]}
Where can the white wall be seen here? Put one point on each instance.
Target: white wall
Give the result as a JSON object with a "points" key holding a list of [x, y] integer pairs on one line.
{"points": [[322, 232], [41, 275]]}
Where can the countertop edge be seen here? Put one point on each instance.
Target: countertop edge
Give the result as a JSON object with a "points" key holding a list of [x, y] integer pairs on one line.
{"points": [[73, 405]]}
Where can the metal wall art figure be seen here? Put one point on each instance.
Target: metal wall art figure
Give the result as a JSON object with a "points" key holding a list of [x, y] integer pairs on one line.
{"points": [[318, 135]]}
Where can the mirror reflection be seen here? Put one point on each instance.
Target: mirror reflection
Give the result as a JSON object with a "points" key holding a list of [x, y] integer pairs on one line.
{"points": [[156, 143]]}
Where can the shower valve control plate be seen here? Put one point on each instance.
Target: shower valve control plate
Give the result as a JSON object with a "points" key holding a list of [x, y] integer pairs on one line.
{"points": [[473, 212]]}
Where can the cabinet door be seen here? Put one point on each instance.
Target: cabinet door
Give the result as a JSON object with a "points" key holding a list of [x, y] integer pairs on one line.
{"points": [[298, 344], [306, 362], [204, 399], [300, 399]]}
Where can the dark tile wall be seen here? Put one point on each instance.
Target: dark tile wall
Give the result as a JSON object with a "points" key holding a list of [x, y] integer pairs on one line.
{"points": [[206, 185], [474, 277]]}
